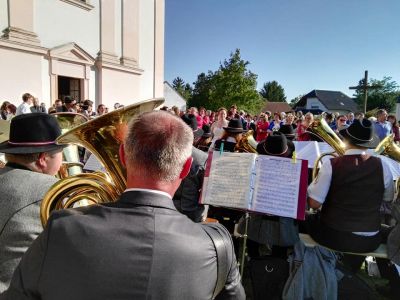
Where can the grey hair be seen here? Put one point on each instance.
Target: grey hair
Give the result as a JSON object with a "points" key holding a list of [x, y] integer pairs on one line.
{"points": [[158, 143]]}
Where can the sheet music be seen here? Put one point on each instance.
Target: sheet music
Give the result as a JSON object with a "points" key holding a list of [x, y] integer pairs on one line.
{"points": [[230, 180], [276, 186], [93, 164]]}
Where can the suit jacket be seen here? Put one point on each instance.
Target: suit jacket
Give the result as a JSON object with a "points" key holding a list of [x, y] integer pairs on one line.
{"points": [[20, 194], [139, 247]]}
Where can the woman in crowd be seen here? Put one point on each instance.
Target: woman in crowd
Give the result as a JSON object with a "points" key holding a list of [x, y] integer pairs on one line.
{"points": [[101, 109], [341, 123], [217, 128], [302, 135], [262, 128], [395, 127], [3, 110], [290, 120], [12, 110], [203, 115], [275, 124], [195, 112], [204, 142]]}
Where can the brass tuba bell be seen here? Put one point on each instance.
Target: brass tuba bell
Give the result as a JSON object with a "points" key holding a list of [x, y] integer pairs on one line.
{"points": [[247, 143], [321, 129], [102, 136]]}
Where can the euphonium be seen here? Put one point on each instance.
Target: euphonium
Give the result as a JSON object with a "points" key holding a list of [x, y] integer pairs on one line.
{"points": [[321, 129], [71, 163], [388, 148], [102, 136], [247, 144]]}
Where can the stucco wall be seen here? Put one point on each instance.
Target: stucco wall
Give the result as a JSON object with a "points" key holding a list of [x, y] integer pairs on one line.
{"points": [[23, 74], [314, 103], [3, 15], [172, 98], [57, 23], [120, 87]]}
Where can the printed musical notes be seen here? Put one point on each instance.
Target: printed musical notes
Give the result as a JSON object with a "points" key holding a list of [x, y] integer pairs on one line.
{"points": [[265, 184], [277, 186]]}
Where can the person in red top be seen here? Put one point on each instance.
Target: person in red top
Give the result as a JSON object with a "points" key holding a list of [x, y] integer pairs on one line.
{"points": [[302, 135], [262, 127], [199, 119], [203, 114], [395, 127]]}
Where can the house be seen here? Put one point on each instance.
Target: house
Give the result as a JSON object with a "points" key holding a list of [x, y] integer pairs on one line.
{"points": [[173, 98], [104, 50], [318, 101], [274, 107]]}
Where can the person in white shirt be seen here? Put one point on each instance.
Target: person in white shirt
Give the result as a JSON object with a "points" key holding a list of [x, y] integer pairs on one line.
{"points": [[25, 107]]}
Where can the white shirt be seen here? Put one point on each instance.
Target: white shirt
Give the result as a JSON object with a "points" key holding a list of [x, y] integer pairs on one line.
{"points": [[319, 188], [24, 108], [149, 191]]}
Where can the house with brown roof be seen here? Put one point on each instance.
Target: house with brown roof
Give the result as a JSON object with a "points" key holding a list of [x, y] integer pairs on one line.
{"points": [[318, 101]]}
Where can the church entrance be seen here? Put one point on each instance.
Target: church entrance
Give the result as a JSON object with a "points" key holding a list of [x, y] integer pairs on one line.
{"points": [[68, 86]]}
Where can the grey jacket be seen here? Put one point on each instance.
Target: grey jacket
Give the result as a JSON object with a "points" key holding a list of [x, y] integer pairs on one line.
{"points": [[312, 274], [139, 247], [20, 194]]}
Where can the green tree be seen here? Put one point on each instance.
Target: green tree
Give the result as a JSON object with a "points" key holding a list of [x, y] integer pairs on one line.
{"points": [[231, 84], [383, 96], [272, 91], [293, 102], [184, 89]]}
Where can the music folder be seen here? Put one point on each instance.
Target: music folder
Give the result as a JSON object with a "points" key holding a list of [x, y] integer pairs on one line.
{"points": [[257, 183]]}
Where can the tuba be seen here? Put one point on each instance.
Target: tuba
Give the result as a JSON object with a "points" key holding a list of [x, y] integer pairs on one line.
{"points": [[247, 144], [71, 163], [102, 136], [388, 148], [322, 130]]}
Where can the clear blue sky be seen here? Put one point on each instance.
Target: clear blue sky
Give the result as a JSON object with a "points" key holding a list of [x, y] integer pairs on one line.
{"points": [[302, 44]]}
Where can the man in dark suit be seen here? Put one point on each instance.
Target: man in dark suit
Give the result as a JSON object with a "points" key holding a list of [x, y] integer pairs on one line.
{"points": [[33, 158], [139, 247]]}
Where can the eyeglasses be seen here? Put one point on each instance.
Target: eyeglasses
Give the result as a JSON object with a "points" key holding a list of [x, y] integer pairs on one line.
{"points": [[342, 120]]}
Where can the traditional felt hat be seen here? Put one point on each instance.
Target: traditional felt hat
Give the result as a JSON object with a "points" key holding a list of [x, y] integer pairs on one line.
{"points": [[32, 133], [190, 120], [288, 131], [361, 133], [206, 130], [234, 126], [276, 144]]}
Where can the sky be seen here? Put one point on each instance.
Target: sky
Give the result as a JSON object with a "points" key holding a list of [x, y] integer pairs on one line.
{"points": [[302, 44]]}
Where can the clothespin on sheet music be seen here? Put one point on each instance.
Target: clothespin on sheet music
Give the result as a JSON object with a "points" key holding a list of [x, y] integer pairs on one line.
{"points": [[221, 149], [294, 159]]}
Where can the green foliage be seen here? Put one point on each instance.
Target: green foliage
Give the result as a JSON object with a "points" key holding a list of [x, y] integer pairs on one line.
{"points": [[231, 84], [383, 96], [272, 91], [293, 102], [184, 89]]}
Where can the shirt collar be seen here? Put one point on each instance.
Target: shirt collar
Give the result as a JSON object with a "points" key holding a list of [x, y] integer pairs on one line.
{"points": [[355, 152], [149, 191]]}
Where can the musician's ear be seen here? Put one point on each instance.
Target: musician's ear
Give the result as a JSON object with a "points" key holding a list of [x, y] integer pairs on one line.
{"points": [[122, 155], [186, 168]]}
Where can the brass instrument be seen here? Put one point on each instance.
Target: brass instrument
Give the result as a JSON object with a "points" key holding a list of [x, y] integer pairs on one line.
{"points": [[71, 163], [102, 136], [247, 144], [321, 129], [4, 136]]}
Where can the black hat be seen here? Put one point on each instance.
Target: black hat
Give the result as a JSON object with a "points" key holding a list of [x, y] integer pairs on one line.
{"points": [[207, 130], [276, 144], [288, 131], [361, 133], [234, 126], [192, 122], [32, 133]]}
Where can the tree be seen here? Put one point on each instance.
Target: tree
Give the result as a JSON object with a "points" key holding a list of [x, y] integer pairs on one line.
{"points": [[272, 91], [184, 89], [383, 96], [293, 102], [231, 84]]}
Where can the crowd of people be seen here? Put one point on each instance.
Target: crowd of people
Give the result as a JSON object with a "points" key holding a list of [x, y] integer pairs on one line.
{"points": [[152, 242]]}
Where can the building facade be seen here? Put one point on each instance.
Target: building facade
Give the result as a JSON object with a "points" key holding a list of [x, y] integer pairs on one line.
{"points": [[107, 51]]}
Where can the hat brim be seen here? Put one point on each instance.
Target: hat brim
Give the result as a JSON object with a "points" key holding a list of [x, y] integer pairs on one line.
{"points": [[206, 135], [233, 130], [5, 147], [373, 143]]}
